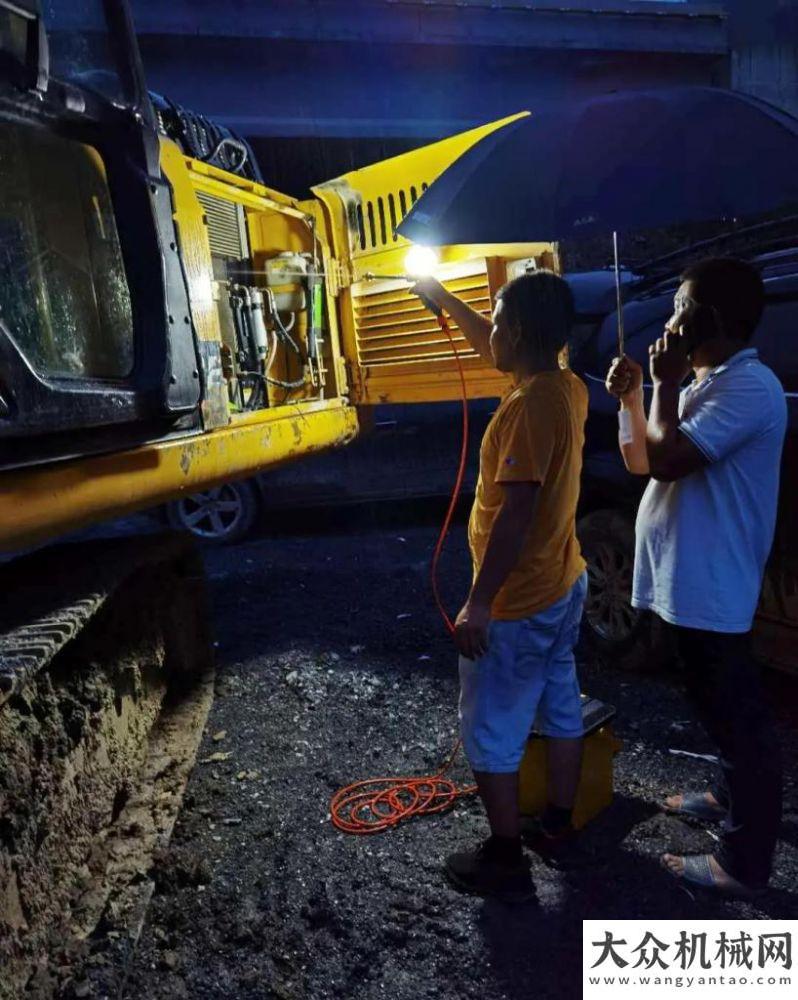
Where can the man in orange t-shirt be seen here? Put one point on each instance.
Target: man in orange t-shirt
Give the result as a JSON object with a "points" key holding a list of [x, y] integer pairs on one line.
{"points": [[517, 630]]}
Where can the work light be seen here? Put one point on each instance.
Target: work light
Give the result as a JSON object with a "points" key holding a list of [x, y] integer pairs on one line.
{"points": [[421, 262]]}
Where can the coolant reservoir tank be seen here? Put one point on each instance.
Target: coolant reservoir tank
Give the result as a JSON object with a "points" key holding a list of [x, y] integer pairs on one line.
{"points": [[286, 276]]}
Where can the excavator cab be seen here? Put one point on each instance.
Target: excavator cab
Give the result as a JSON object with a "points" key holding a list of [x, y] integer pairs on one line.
{"points": [[97, 349]]}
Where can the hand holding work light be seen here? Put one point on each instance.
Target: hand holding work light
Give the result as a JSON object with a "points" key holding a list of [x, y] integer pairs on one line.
{"points": [[420, 262]]}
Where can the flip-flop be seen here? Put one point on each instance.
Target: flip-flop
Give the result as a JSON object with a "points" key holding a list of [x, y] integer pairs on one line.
{"points": [[695, 805], [697, 872]]}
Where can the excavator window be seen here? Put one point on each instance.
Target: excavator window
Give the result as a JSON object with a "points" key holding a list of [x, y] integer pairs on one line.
{"points": [[14, 35], [64, 296], [81, 48]]}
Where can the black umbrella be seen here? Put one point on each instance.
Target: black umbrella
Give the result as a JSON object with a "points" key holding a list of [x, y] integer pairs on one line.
{"points": [[634, 160]]}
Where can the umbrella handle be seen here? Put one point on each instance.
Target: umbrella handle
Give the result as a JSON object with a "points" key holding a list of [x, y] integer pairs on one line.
{"points": [[619, 297], [625, 435]]}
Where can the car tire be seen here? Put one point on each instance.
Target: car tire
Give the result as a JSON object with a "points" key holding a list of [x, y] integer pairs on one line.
{"points": [[611, 625], [219, 516]]}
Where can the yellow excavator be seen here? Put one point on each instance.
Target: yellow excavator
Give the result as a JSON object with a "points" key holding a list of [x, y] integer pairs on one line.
{"points": [[167, 323]]}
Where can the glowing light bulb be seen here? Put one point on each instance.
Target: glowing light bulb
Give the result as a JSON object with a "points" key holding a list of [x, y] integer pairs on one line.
{"points": [[421, 262]]}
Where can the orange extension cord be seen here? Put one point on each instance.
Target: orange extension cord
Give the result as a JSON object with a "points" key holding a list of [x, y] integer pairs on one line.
{"points": [[378, 804]]}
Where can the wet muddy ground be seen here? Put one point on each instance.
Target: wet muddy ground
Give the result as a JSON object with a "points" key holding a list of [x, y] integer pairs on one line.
{"points": [[333, 666]]}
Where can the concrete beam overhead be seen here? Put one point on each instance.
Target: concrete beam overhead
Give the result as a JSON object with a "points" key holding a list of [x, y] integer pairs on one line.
{"points": [[639, 26]]}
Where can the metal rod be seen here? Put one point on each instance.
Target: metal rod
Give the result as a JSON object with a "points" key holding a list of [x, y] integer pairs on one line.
{"points": [[619, 297], [370, 276]]}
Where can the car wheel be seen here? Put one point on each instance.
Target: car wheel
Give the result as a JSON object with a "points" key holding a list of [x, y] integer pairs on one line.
{"points": [[607, 540], [219, 516]]}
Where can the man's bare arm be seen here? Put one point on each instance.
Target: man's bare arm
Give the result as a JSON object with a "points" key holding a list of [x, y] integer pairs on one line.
{"points": [[671, 454], [512, 524], [625, 382], [507, 536], [634, 451]]}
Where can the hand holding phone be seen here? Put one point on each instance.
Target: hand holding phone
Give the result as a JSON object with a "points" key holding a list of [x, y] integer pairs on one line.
{"points": [[668, 358]]}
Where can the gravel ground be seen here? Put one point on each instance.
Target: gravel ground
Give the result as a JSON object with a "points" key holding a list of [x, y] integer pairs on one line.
{"points": [[333, 666]]}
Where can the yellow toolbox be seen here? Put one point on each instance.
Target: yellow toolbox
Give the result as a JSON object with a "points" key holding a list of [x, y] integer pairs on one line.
{"points": [[596, 783]]}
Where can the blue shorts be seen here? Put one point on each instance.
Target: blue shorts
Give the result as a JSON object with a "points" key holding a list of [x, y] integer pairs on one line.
{"points": [[528, 674]]}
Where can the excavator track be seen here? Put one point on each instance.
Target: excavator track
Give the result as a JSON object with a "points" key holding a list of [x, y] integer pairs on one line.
{"points": [[106, 680]]}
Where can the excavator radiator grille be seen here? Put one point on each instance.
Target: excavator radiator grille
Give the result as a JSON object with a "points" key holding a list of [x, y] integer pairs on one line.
{"points": [[393, 328]]}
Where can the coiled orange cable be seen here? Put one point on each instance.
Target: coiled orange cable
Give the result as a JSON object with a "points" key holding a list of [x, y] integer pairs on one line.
{"points": [[377, 804]]}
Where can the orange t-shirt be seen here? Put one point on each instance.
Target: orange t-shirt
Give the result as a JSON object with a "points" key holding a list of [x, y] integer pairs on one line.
{"points": [[536, 435]]}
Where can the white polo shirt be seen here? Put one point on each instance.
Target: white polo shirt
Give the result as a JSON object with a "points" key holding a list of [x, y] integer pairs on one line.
{"points": [[703, 541]]}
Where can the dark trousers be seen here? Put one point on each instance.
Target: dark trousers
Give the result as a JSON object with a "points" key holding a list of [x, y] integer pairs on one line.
{"points": [[724, 684]]}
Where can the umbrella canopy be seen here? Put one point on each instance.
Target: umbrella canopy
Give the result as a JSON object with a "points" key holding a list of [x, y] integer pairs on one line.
{"points": [[633, 160]]}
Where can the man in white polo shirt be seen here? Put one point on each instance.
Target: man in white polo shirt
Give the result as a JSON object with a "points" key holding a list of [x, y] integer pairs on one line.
{"points": [[704, 531]]}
